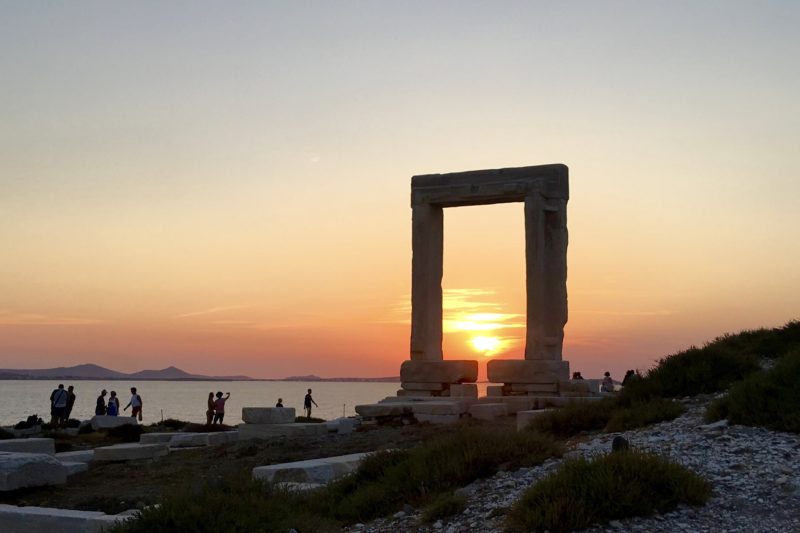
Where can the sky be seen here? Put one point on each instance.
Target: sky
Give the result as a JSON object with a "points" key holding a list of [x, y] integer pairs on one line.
{"points": [[224, 187]]}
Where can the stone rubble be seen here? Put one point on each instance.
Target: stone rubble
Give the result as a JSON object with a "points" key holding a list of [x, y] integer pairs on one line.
{"points": [[753, 472]]}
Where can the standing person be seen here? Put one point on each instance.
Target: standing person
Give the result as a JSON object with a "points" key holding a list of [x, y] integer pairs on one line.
{"points": [[70, 402], [608, 384], [100, 408], [219, 407], [113, 404], [58, 405], [210, 410], [135, 404], [307, 404]]}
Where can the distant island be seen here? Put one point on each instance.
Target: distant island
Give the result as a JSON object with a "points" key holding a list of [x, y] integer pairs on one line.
{"points": [[91, 371]]}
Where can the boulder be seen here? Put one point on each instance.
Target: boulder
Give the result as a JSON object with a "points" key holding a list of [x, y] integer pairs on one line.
{"points": [[20, 470], [32, 445], [268, 415], [311, 471], [130, 452], [108, 422]]}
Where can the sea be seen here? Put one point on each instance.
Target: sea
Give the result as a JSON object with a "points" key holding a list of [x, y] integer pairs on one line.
{"points": [[187, 400]]}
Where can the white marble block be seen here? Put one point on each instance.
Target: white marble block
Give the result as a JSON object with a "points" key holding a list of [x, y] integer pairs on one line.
{"points": [[268, 415]]}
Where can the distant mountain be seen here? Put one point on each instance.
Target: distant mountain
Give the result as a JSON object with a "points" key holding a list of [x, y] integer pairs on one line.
{"points": [[92, 371]]}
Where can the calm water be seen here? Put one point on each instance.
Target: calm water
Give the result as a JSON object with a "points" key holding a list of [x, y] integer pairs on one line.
{"points": [[186, 400]]}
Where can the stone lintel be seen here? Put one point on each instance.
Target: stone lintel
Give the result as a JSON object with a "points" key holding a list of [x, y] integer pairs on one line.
{"points": [[527, 371], [439, 371], [492, 186]]}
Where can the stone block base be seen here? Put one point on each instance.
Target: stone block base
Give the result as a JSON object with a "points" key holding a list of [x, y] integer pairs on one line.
{"points": [[524, 418], [439, 371], [528, 371], [130, 452], [551, 388], [43, 519], [20, 470], [157, 438], [437, 419], [464, 390], [80, 456], [75, 467], [311, 471], [488, 411], [34, 445], [108, 422], [268, 415], [268, 431]]}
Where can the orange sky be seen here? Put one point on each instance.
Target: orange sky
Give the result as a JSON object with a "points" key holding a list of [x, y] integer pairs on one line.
{"points": [[227, 190]]}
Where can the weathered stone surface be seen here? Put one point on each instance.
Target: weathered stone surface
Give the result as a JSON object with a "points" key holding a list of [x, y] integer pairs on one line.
{"points": [[108, 422], [535, 387], [33, 445], [394, 408], [130, 452], [518, 403], [298, 487], [464, 390], [524, 418], [424, 386], [74, 467], [342, 426], [443, 407], [488, 411], [266, 431], [80, 456], [494, 390], [526, 371], [311, 471], [46, 520], [402, 393], [157, 438], [268, 415], [437, 419], [188, 440], [438, 371], [20, 470]]}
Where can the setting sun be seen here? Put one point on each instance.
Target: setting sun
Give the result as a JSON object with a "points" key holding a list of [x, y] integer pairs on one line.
{"points": [[487, 345]]}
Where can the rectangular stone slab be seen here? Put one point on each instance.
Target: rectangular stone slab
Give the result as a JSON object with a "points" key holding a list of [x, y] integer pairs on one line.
{"points": [[49, 520], [268, 415], [108, 422], [534, 387], [488, 411], [311, 471], [75, 467], [439, 371], [33, 445], [157, 438], [267, 431], [20, 470], [424, 386], [464, 390], [444, 407], [80, 456], [130, 452], [526, 371]]}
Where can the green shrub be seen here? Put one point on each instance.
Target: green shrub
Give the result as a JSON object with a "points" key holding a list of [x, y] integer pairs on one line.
{"points": [[126, 432], [575, 418], [624, 484], [169, 423], [5, 434], [643, 414], [449, 461], [445, 505], [769, 343], [241, 506], [768, 399]]}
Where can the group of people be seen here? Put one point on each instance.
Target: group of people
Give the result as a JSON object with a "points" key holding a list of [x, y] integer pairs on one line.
{"points": [[111, 408], [61, 403], [216, 408], [607, 385]]}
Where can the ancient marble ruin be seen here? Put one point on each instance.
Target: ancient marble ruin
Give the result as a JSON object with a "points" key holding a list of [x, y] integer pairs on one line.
{"points": [[544, 190]]}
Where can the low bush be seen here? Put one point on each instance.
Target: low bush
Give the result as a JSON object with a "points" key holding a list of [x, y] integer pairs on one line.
{"points": [[5, 434], [643, 414], [768, 399], [445, 505], [575, 418], [624, 484], [387, 480], [169, 423], [126, 432]]}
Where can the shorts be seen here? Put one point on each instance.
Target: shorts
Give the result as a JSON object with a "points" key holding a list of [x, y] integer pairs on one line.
{"points": [[59, 412], [136, 410], [218, 417]]}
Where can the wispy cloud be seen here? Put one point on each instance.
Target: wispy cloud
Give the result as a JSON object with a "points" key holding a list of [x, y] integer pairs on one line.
{"points": [[657, 312], [11, 318], [212, 311]]}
